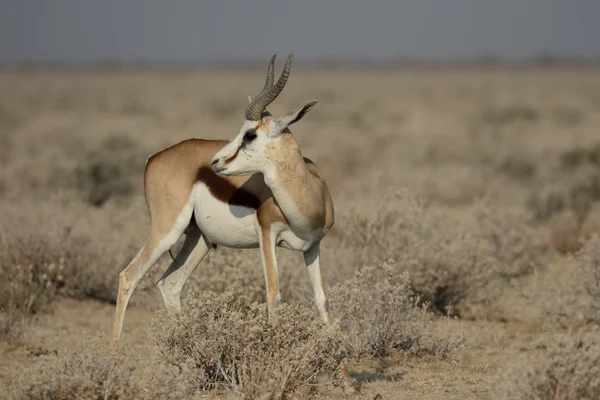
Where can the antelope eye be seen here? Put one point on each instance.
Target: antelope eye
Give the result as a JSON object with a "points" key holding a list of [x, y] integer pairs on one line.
{"points": [[249, 136]]}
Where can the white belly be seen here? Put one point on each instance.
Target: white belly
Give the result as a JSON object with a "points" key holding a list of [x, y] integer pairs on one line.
{"points": [[224, 224], [235, 226]]}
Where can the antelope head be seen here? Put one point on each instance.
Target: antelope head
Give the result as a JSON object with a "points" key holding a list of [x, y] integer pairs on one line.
{"points": [[246, 153]]}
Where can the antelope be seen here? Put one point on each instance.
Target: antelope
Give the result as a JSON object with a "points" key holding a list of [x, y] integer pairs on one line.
{"points": [[255, 191]]}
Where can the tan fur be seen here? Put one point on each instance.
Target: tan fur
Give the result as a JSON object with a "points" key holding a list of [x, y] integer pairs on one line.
{"points": [[301, 179], [271, 277], [169, 178]]}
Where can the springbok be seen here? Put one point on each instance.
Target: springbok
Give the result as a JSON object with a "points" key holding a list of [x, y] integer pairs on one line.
{"points": [[254, 191]]}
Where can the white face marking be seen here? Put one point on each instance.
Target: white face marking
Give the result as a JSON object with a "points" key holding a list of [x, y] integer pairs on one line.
{"points": [[245, 154]]}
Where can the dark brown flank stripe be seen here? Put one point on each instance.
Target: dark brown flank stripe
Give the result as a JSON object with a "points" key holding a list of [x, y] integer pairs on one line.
{"points": [[225, 191]]}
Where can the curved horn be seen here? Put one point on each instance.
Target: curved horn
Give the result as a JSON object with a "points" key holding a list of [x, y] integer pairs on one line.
{"points": [[268, 94], [270, 74]]}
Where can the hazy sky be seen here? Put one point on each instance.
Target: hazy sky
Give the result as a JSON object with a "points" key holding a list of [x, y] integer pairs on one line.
{"points": [[218, 30]]}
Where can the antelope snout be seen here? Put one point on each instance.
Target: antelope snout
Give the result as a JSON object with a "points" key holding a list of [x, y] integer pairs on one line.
{"points": [[217, 165]]}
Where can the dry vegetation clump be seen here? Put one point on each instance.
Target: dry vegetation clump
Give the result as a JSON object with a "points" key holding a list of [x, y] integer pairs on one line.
{"points": [[379, 313], [570, 369], [89, 371], [454, 266], [82, 372], [55, 246], [501, 116], [109, 170], [232, 345], [574, 185], [575, 298], [11, 324], [231, 270], [240, 272]]}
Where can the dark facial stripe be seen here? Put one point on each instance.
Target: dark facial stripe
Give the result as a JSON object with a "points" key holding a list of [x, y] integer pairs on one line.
{"points": [[225, 191], [230, 159]]}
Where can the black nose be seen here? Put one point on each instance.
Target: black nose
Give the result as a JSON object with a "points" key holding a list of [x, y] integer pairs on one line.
{"points": [[213, 162]]}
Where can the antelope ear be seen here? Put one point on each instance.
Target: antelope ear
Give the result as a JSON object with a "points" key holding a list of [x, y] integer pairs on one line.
{"points": [[291, 118]]}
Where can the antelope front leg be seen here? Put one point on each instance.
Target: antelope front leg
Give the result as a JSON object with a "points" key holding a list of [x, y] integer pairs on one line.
{"points": [[312, 258], [269, 262], [313, 265]]}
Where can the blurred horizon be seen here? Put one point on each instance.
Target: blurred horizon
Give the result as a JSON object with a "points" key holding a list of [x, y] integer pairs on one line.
{"points": [[185, 33]]}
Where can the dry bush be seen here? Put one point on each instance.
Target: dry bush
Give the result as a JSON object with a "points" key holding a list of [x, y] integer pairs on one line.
{"points": [[109, 170], [378, 313], [574, 184], [88, 370], [452, 266], [57, 245], [233, 346], [570, 295], [588, 261], [11, 324], [82, 372], [502, 116], [233, 270], [570, 370], [241, 272]]}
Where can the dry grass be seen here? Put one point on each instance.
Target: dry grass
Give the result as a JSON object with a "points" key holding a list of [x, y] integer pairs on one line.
{"points": [[378, 313], [569, 370], [457, 261], [85, 370], [480, 187], [233, 346]]}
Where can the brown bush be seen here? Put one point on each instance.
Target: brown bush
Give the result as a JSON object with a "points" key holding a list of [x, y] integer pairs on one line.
{"points": [[109, 170], [84, 372], [233, 346], [10, 325], [378, 313], [57, 246], [570, 295], [452, 266], [240, 272], [571, 370], [572, 185], [86, 369]]}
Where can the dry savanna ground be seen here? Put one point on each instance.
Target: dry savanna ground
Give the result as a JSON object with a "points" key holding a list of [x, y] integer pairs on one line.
{"points": [[464, 262]]}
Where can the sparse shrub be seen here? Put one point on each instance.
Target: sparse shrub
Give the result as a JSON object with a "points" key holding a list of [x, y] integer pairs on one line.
{"points": [[232, 345], [378, 313], [546, 202], [10, 324], [578, 156], [574, 185], [564, 232], [231, 270], [571, 370], [518, 167], [512, 247], [588, 262], [77, 373], [501, 116], [108, 171], [240, 272], [452, 267], [567, 117], [57, 247], [572, 299]]}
